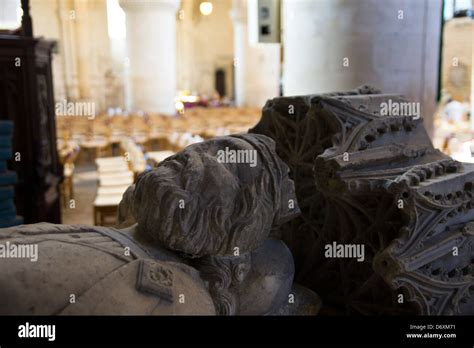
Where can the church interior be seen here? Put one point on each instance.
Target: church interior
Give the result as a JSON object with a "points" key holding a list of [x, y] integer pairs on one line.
{"points": [[95, 93], [147, 78]]}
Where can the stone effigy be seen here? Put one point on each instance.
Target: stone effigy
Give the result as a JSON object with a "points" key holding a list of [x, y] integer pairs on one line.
{"points": [[367, 178], [384, 224], [95, 270], [198, 241]]}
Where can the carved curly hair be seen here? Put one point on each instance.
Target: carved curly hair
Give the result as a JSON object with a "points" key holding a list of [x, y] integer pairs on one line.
{"points": [[223, 274], [198, 206]]}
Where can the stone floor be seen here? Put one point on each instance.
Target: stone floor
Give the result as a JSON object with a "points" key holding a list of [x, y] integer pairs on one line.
{"points": [[85, 189]]}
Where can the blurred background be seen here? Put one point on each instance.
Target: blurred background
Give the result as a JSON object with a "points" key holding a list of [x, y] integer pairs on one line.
{"points": [[101, 90]]}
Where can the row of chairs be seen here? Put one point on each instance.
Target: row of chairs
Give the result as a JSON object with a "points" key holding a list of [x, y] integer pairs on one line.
{"points": [[115, 176], [150, 129], [122, 146]]}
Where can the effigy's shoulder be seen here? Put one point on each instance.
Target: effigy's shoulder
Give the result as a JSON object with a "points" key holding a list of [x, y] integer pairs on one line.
{"points": [[75, 269]]}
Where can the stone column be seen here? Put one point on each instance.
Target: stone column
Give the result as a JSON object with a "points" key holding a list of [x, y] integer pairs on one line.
{"points": [[257, 67], [68, 51], [332, 45], [83, 58], [151, 50], [48, 23], [472, 80], [92, 50]]}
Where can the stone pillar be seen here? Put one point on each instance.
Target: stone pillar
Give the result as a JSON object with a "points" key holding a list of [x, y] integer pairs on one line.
{"points": [[333, 45], [472, 87], [93, 50], [83, 59], [151, 50], [472, 80], [48, 23], [257, 67], [68, 51]]}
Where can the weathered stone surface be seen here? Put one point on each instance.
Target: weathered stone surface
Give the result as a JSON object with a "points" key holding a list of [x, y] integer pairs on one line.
{"points": [[366, 178], [301, 301], [197, 205], [200, 245], [125, 216], [219, 214], [92, 263]]}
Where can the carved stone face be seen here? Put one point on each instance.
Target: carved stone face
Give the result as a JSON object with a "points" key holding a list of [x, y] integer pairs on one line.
{"points": [[219, 197]]}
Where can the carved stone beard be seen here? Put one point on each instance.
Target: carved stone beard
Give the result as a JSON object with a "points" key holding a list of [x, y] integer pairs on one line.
{"points": [[223, 275], [253, 283]]}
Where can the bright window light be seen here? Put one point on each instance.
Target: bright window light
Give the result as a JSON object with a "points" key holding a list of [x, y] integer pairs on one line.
{"points": [[115, 20], [206, 8]]}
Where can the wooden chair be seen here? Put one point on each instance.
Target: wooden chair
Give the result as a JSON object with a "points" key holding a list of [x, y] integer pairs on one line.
{"points": [[115, 177], [68, 152], [105, 206], [155, 157]]}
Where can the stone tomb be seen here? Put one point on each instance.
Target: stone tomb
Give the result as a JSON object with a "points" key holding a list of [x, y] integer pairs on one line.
{"points": [[197, 240], [372, 179]]}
